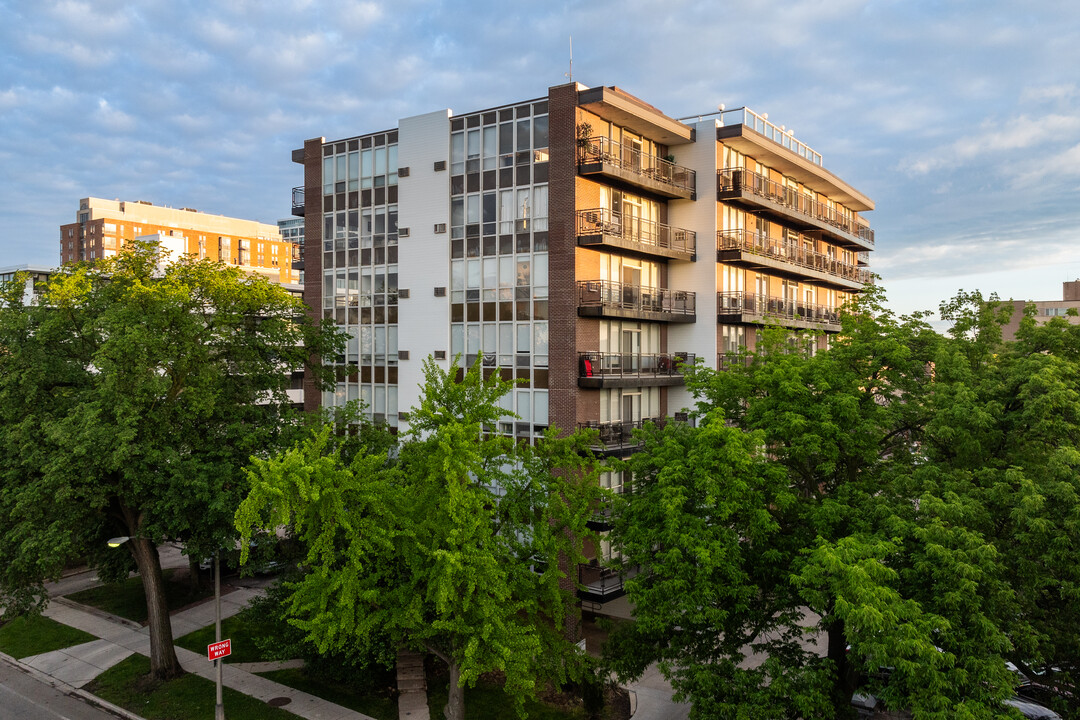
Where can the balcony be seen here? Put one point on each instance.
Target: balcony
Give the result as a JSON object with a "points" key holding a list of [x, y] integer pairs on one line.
{"points": [[791, 258], [608, 370], [628, 164], [728, 361], [298, 201], [744, 307], [618, 435], [600, 584], [605, 511], [634, 235], [757, 192], [604, 298]]}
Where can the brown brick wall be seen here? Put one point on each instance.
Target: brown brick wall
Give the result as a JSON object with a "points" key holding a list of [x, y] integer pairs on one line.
{"points": [[313, 275], [562, 306]]}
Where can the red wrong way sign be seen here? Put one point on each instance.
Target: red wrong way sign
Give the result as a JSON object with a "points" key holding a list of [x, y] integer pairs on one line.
{"points": [[219, 649]]}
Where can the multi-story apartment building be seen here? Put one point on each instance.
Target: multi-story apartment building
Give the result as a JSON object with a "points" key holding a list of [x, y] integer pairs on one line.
{"points": [[103, 226], [583, 243], [1045, 310]]}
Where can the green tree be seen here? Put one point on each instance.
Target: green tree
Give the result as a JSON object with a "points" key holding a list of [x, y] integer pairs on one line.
{"points": [[457, 546], [787, 544], [130, 400]]}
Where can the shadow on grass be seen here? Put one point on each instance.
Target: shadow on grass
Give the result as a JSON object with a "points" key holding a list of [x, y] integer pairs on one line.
{"points": [[369, 697], [127, 600], [26, 636], [189, 697]]}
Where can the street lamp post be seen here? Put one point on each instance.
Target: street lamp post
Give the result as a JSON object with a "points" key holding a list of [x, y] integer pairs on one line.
{"points": [[219, 708]]}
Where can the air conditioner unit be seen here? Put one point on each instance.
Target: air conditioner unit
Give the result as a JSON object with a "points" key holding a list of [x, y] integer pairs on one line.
{"points": [[440, 292], [440, 354], [403, 232], [440, 165], [440, 228], [403, 294], [403, 354], [403, 172]]}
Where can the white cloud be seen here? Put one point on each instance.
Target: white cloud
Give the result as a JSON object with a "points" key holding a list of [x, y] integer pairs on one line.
{"points": [[112, 119]]}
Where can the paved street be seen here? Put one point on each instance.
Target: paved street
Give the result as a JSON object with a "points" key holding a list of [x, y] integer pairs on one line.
{"points": [[23, 697]]}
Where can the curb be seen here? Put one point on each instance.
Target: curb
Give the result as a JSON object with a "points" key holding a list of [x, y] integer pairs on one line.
{"points": [[69, 690]]}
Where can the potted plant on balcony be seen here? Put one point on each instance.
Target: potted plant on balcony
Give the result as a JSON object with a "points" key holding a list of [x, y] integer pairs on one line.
{"points": [[584, 133]]}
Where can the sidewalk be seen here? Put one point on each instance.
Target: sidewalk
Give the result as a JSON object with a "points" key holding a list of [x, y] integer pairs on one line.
{"points": [[72, 668]]}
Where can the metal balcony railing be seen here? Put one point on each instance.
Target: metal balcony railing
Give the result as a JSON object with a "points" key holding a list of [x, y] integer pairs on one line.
{"points": [[605, 294], [647, 235], [602, 583], [298, 201], [619, 433], [795, 253], [764, 306], [632, 365], [738, 179], [631, 159], [727, 361]]}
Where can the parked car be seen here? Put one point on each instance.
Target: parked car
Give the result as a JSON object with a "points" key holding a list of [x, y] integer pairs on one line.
{"points": [[867, 706]]}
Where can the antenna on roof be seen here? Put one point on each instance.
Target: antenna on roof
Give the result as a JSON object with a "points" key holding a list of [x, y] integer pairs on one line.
{"points": [[570, 74]]}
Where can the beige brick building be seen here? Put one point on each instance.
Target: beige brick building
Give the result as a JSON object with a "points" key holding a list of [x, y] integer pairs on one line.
{"points": [[102, 227]]}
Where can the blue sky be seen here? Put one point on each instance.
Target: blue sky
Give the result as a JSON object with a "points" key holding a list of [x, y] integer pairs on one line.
{"points": [[961, 119]]}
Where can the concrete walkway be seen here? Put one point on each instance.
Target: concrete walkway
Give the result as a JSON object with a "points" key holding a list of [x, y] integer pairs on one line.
{"points": [[72, 668], [412, 684]]}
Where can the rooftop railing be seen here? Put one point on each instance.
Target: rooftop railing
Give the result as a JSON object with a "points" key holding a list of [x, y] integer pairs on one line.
{"points": [[781, 136], [645, 233], [633, 159], [635, 298], [764, 306], [794, 252], [739, 179]]}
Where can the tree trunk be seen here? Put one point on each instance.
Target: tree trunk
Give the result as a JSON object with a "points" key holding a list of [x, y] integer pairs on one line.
{"points": [[163, 661], [193, 575], [455, 699], [847, 680]]}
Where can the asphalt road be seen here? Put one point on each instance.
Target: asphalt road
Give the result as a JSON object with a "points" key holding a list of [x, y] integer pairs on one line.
{"points": [[22, 697]]}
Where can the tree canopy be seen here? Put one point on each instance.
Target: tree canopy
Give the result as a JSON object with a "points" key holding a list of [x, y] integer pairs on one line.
{"points": [[131, 397], [892, 512], [458, 544]]}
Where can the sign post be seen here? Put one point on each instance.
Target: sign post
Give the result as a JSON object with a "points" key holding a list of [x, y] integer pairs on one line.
{"points": [[218, 650]]}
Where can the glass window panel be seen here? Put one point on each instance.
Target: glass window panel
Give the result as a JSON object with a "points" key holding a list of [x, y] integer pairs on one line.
{"points": [[540, 132], [473, 275], [540, 407], [380, 399], [490, 272], [540, 269], [490, 336], [523, 139], [489, 207], [457, 274], [457, 212], [457, 339], [472, 205], [340, 177], [380, 161], [354, 165], [391, 158], [328, 175], [506, 338], [523, 332], [473, 146], [540, 338], [523, 405], [506, 138], [523, 272], [472, 339]]}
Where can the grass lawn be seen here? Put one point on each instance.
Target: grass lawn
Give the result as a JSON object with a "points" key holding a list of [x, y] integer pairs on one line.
{"points": [[369, 702], [26, 636], [241, 628], [127, 599], [186, 698]]}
